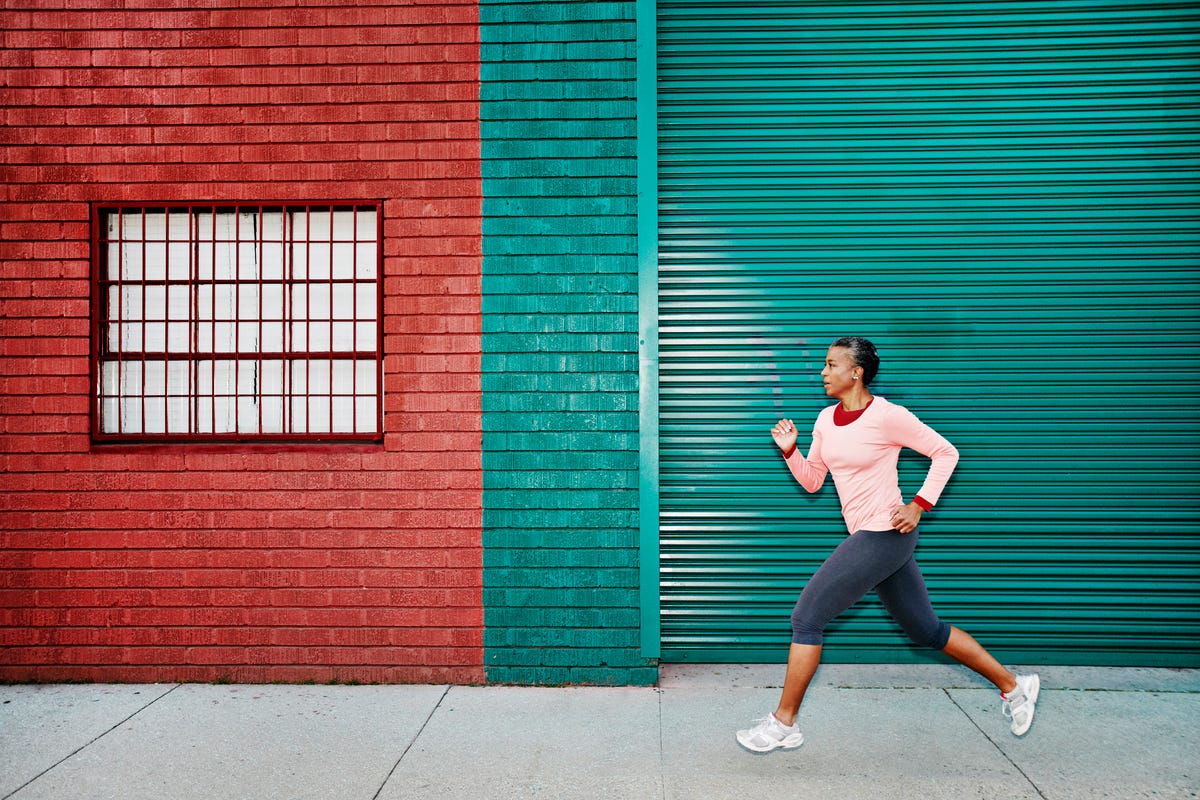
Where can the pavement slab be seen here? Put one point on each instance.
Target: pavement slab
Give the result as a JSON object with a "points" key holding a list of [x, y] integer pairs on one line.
{"points": [[240, 742], [43, 725], [1104, 744], [524, 742]]}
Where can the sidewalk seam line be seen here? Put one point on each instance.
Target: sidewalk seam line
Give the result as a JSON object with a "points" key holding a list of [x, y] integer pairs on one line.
{"points": [[408, 747], [992, 741], [83, 747]]}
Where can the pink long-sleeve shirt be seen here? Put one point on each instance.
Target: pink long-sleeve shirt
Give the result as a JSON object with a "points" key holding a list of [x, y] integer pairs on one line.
{"points": [[862, 457]]}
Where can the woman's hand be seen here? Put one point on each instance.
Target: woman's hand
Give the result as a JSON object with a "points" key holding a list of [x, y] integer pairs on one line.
{"points": [[906, 518], [784, 434]]}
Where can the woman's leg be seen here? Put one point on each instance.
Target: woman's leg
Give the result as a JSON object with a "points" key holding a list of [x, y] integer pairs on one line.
{"points": [[907, 599], [855, 567], [803, 660], [963, 648]]}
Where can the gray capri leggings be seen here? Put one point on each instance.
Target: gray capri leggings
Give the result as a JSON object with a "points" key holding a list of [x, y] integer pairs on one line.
{"points": [[879, 560]]}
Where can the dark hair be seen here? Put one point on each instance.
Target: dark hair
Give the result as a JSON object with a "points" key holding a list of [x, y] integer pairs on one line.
{"points": [[863, 353]]}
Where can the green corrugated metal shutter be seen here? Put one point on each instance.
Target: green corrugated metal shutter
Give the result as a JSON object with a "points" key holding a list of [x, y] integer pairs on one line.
{"points": [[1003, 196]]}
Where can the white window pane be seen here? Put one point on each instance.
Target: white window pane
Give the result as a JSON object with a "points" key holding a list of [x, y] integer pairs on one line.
{"points": [[131, 225], [204, 261], [156, 337], [319, 256], [299, 261], [179, 225], [109, 375], [343, 225], [110, 415], [365, 414], [271, 378], [343, 337], [179, 302], [318, 415], [155, 307], [299, 302], [179, 337], [272, 301], [223, 376], [343, 377], [343, 260], [131, 336], [318, 336], [154, 226], [155, 256], [127, 301], [247, 377], [299, 377], [366, 263], [343, 414], [272, 337], [177, 414], [248, 301], [364, 377], [248, 337], [318, 377], [299, 415], [247, 415], [222, 262], [204, 337], [155, 415], [299, 336], [272, 261], [272, 226], [224, 301], [131, 415], [367, 229], [343, 300], [272, 414], [247, 266], [224, 337], [319, 301], [156, 378], [204, 412], [366, 301], [223, 415], [180, 261], [364, 336], [178, 378]]}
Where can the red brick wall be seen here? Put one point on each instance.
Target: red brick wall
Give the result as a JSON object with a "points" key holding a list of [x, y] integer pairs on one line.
{"points": [[267, 563]]}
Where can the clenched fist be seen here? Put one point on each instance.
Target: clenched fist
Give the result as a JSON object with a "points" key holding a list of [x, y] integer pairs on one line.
{"points": [[784, 434]]}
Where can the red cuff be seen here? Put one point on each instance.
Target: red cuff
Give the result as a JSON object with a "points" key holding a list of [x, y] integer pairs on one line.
{"points": [[788, 454], [923, 503]]}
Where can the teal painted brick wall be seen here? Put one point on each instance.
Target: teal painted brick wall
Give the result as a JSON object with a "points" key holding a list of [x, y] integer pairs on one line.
{"points": [[560, 414]]}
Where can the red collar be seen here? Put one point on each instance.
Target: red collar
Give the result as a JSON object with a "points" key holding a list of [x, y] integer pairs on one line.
{"points": [[843, 417]]}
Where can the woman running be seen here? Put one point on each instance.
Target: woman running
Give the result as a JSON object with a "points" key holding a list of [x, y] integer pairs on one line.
{"points": [[859, 440]]}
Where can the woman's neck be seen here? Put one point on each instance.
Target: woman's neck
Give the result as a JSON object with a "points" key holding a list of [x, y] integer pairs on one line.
{"points": [[857, 399]]}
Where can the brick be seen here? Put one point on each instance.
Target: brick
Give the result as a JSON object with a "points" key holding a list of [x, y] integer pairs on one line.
{"points": [[225, 553]]}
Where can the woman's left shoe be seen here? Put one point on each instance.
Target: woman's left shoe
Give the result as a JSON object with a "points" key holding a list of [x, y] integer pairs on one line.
{"points": [[1019, 703]]}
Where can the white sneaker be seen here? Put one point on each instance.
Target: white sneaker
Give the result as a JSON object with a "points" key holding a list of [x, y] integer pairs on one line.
{"points": [[770, 734], [1019, 703]]}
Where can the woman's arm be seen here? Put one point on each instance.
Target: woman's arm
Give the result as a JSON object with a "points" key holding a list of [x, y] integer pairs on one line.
{"points": [[906, 430], [810, 472]]}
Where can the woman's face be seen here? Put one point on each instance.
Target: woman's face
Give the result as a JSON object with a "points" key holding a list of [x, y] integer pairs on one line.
{"points": [[839, 372]]}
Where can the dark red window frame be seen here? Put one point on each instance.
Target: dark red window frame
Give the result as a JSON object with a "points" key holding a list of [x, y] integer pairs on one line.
{"points": [[237, 322]]}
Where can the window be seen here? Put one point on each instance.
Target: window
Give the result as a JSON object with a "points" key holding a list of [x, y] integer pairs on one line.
{"points": [[237, 323]]}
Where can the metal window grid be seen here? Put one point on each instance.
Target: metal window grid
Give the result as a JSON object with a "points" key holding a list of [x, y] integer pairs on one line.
{"points": [[237, 322]]}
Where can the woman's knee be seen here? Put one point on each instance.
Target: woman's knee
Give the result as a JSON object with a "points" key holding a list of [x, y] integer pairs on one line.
{"points": [[806, 629], [934, 636]]}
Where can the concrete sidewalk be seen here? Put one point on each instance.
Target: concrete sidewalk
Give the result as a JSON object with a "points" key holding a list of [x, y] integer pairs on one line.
{"points": [[891, 732]]}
